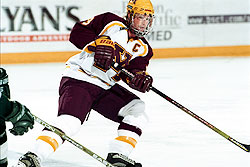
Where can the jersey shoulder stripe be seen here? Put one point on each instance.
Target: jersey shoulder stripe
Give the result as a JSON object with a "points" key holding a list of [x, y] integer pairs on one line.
{"points": [[112, 25]]}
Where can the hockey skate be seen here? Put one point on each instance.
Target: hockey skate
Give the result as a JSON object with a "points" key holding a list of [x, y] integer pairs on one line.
{"points": [[120, 160], [29, 160]]}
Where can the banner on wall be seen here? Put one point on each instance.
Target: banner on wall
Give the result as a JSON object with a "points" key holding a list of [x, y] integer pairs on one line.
{"points": [[44, 26]]}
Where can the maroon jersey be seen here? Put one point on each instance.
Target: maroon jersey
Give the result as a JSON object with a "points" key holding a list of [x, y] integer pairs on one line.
{"points": [[86, 31], [131, 53]]}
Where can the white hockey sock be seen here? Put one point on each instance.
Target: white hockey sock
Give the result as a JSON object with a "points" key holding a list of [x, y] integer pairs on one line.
{"points": [[48, 141], [46, 144], [117, 146], [124, 143]]}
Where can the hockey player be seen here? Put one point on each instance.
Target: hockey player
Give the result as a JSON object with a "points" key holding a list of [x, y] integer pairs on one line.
{"points": [[12, 111], [90, 82]]}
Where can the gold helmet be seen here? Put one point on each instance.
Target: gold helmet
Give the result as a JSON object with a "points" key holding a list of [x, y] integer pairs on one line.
{"points": [[142, 7]]}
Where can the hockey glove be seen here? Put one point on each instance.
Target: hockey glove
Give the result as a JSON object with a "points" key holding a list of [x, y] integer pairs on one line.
{"points": [[21, 119], [4, 87], [104, 52], [141, 82]]}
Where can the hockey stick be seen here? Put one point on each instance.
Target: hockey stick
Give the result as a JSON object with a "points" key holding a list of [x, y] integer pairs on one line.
{"points": [[78, 145], [242, 146]]}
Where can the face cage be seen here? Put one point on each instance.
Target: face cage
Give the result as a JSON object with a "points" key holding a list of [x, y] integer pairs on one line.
{"points": [[139, 33]]}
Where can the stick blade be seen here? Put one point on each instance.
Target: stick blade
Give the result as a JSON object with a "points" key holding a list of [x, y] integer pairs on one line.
{"points": [[244, 147], [247, 147]]}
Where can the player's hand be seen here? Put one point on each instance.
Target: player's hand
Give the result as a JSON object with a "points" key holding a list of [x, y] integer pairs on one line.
{"points": [[104, 52], [21, 118], [141, 82]]}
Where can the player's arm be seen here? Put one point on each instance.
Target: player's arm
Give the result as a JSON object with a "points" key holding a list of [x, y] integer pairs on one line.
{"points": [[87, 31], [141, 81], [81, 35], [12, 111], [16, 113]]}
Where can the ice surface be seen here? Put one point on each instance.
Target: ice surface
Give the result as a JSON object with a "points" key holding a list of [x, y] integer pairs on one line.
{"points": [[216, 89]]}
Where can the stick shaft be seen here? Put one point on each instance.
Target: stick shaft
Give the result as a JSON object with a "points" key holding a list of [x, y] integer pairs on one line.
{"points": [[242, 146], [78, 145]]}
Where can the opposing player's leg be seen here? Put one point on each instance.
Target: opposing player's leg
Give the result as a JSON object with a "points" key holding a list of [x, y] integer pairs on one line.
{"points": [[120, 105], [3, 144], [5, 108]]}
